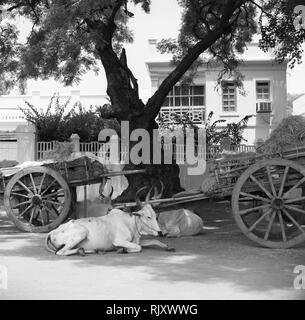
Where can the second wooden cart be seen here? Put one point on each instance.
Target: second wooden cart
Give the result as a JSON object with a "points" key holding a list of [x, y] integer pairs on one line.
{"points": [[266, 193]]}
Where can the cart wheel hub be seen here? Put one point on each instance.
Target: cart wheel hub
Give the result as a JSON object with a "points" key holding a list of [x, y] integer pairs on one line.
{"points": [[277, 203], [36, 200]]}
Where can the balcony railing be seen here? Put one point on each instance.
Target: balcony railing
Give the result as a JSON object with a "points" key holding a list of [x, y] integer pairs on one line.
{"points": [[263, 107], [195, 114], [11, 115]]}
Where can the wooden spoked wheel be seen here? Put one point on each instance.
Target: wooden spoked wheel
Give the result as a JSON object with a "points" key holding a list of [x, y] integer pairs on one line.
{"points": [[268, 204], [37, 199]]}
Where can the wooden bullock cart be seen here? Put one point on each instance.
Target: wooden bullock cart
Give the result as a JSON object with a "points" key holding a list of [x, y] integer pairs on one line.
{"points": [[266, 193]]}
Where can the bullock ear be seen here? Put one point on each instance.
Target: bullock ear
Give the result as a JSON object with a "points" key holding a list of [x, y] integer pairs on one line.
{"points": [[127, 209], [137, 214]]}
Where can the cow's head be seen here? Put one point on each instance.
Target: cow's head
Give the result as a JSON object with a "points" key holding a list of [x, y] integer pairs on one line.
{"points": [[56, 239], [156, 196], [147, 222]]}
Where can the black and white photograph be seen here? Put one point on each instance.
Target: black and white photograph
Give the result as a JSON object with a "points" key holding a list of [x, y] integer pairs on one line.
{"points": [[152, 150]]}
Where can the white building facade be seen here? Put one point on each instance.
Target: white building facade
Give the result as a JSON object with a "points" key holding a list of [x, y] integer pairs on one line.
{"points": [[299, 106], [11, 116], [264, 85]]}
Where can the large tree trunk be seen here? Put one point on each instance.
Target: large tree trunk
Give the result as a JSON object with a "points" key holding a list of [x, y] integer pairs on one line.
{"points": [[168, 174], [123, 92]]}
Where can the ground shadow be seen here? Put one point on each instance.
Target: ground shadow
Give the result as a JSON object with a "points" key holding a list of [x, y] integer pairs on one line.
{"points": [[221, 253]]}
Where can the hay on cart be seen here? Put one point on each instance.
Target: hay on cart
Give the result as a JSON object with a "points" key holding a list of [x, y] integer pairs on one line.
{"points": [[290, 133]]}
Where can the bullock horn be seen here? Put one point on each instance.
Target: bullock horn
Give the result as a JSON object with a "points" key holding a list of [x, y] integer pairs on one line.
{"points": [[102, 187], [138, 201], [102, 197], [111, 192], [148, 195], [159, 195], [49, 245]]}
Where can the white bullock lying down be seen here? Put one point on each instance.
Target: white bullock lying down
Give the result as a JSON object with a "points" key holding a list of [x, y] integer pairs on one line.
{"points": [[178, 223], [117, 230]]}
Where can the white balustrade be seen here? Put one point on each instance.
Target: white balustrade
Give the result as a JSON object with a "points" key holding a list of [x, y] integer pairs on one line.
{"points": [[195, 114], [11, 115]]}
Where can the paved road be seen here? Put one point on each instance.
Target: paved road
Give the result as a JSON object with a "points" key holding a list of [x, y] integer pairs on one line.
{"points": [[218, 264]]}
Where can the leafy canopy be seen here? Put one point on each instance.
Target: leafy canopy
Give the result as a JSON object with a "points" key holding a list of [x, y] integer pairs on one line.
{"points": [[59, 43], [67, 35], [59, 120], [272, 20], [216, 131]]}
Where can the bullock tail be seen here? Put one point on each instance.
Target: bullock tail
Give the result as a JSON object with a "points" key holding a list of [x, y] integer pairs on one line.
{"points": [[49, 245]]}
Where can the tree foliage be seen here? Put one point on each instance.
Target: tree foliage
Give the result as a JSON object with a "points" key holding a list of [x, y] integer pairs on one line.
{"points": [[277, 21], [68, 37], [60, 43], [9, 50], [200, 19], [59, 121], [215, 131]]}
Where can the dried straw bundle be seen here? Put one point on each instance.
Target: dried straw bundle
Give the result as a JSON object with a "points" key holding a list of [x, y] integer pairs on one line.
{"points": [[8, 163], [61, 152], [232, 155], [289, 133]]}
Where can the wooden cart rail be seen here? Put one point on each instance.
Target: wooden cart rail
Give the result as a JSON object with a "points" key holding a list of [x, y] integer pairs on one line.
{"points": [[79, 172], [166, 202], [267, 194]]}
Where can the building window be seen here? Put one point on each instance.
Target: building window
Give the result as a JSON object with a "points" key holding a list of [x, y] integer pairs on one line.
{"points": [[263, 90], [229, 96], [185, 96], [184, 101]]}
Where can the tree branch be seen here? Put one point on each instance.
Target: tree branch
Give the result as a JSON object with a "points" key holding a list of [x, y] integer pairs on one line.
{"points": [[115, 9], [261, 8], [19, 5], [133, 80], [155, 102]]}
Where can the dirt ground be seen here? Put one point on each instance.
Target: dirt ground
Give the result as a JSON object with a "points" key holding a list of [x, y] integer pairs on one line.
{"points": [[220, 263]]}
